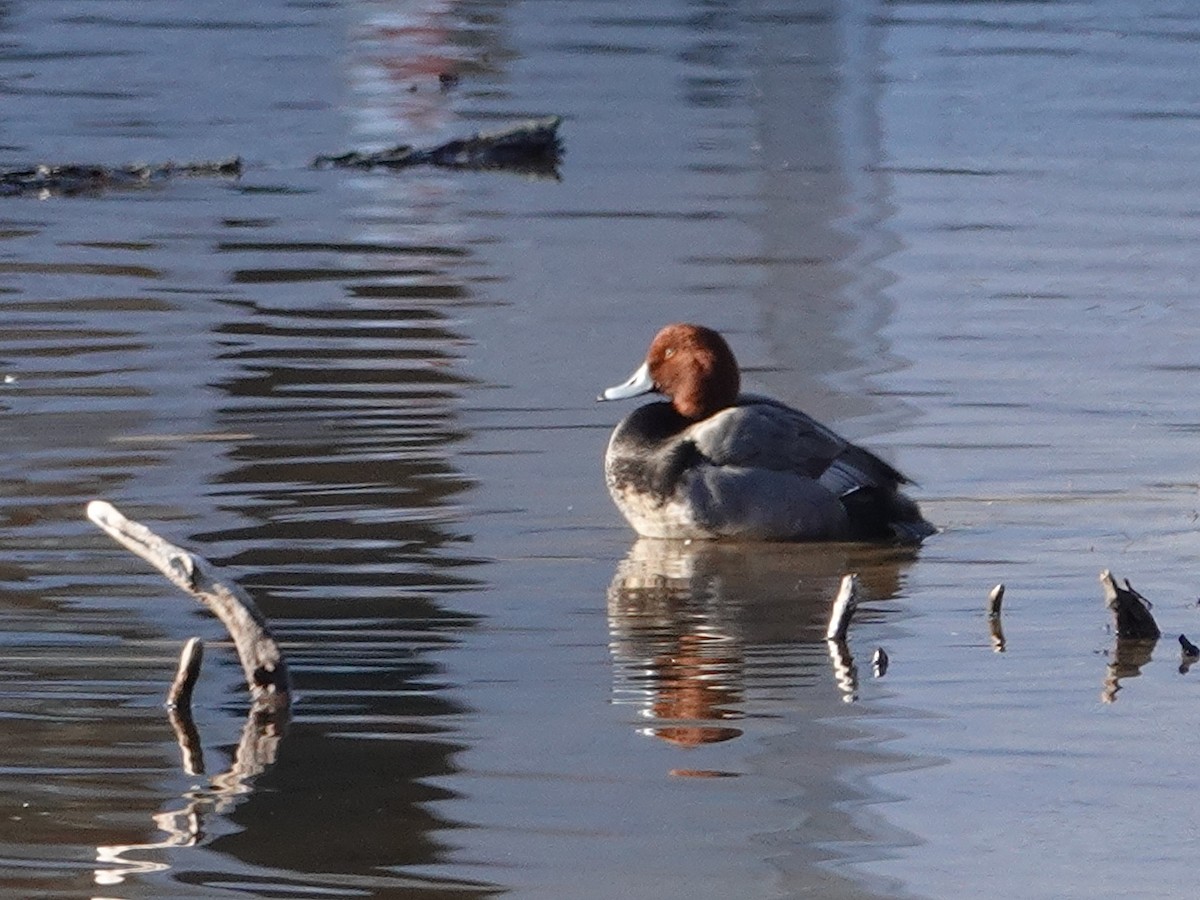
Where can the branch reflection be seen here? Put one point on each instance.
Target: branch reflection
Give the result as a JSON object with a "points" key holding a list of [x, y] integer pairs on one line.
{"points": [[256, 752], [696, 627], [1128, 657]]}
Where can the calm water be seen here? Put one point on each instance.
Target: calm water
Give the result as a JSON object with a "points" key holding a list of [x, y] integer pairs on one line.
{"points": [[962, 233]]}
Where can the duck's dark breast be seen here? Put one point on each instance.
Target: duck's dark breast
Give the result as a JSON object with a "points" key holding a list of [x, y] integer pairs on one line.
{"points": [[647, 456]]}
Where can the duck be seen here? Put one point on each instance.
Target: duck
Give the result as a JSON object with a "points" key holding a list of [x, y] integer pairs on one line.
{"points": [[710, 462]]}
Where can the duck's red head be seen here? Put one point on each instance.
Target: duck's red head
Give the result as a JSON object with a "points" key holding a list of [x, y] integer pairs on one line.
{"points": [[694, 367]]}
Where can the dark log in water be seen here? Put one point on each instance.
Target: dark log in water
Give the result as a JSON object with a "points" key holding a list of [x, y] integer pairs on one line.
{"points": [[1131, 611], [531, 148], [72, 179]]}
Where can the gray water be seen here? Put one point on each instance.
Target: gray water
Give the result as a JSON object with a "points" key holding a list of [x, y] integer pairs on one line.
{"points": [[960, 233]]}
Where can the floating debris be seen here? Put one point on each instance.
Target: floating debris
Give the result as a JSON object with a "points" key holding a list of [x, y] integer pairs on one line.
{"points": [[1130, 609], [71, 180], [1189, 653], [531, 148], [879, 662]]}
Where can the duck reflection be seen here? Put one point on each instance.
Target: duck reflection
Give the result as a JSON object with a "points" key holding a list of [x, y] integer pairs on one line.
{"points": [[694, 626]]}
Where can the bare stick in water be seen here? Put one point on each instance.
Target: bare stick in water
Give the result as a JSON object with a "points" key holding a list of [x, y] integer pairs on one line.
{"points": [[843, 609], [844, 669], [995, 598], [262, 661], [180, 694]]}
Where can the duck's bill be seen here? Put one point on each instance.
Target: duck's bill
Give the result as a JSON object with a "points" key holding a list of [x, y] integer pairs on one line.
{"points": [[639, 383]]}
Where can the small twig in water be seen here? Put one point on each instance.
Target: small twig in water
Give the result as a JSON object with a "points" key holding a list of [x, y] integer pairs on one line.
{"points": [[843, 609], [995, 599], [180, 694]]}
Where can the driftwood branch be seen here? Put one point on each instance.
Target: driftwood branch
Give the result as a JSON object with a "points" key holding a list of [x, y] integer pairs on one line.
{"points": [[179, 706], [263, 662], [845, 670]]}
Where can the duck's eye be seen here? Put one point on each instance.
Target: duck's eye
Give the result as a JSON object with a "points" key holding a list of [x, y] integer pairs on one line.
{"points": [[669, 353]]}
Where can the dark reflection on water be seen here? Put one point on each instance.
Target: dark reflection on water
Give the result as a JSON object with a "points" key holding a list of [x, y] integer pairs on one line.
{"points": [[287, 407], [346, 508], [340, 506]]}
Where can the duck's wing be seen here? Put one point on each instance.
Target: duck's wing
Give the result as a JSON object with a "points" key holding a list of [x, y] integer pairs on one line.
{"points": [[762, 433]]}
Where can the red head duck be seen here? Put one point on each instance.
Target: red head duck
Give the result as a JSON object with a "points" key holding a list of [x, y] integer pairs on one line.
{"points": [[712, 462]]}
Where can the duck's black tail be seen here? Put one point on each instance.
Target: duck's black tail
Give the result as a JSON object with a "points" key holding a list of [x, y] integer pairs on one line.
{"points": [[885, 514]]}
